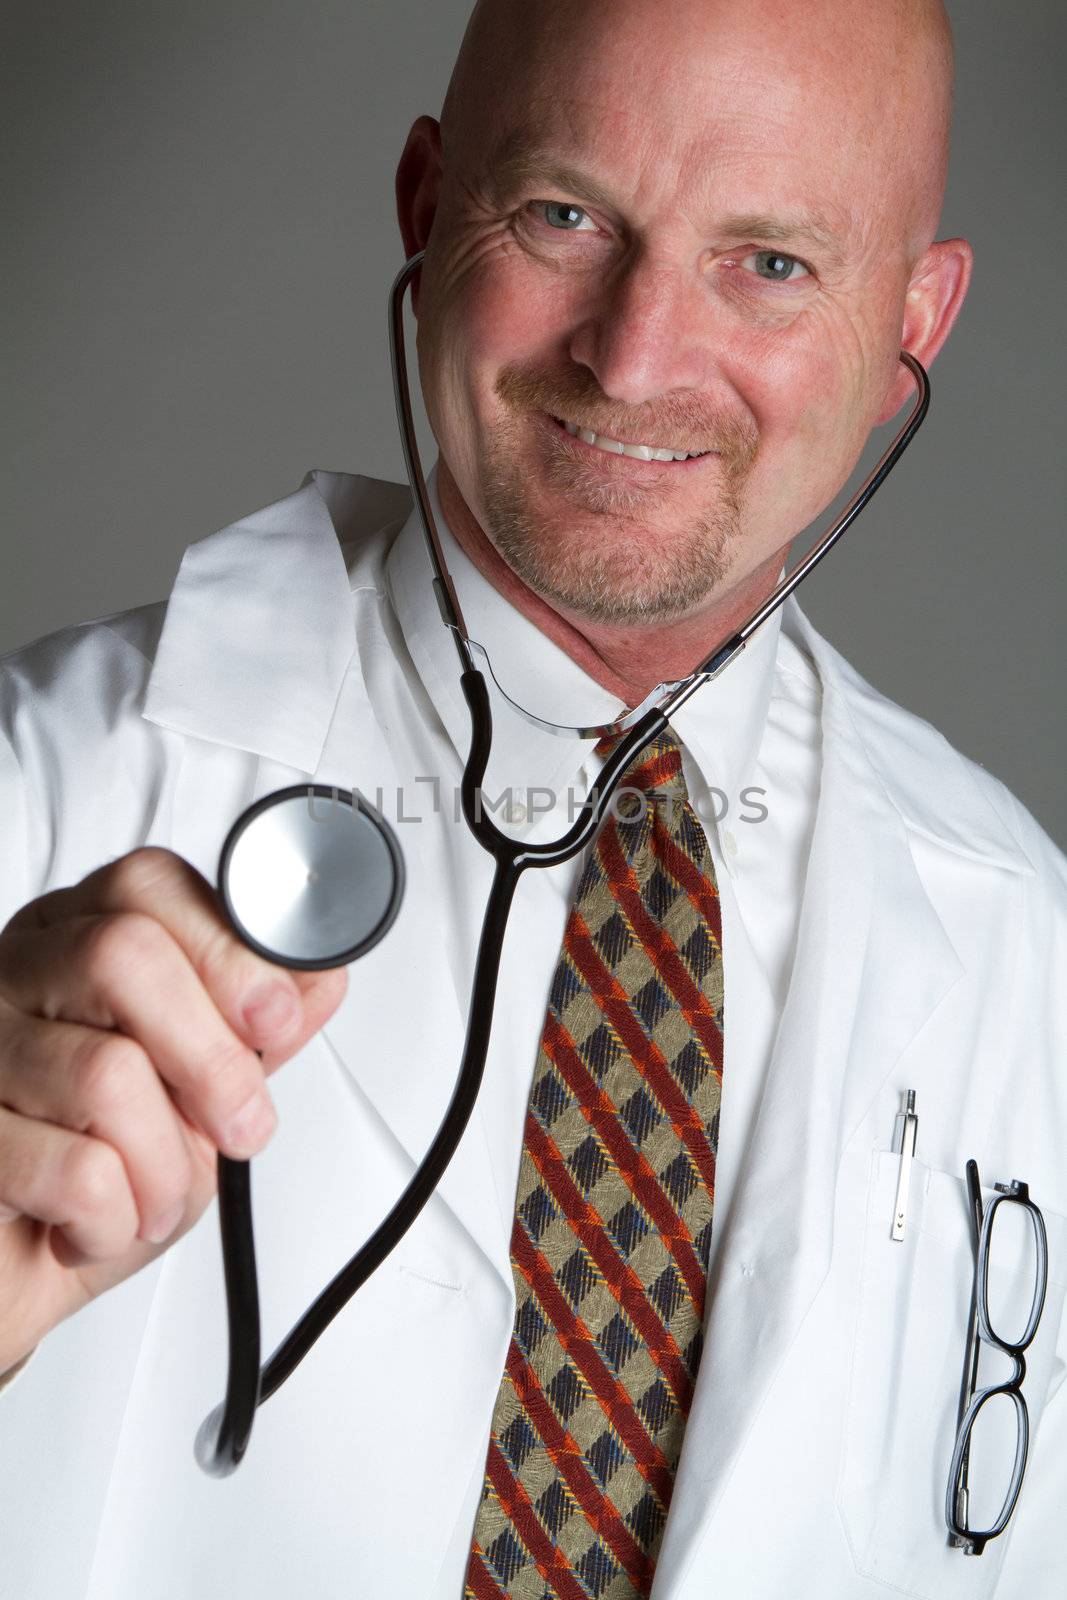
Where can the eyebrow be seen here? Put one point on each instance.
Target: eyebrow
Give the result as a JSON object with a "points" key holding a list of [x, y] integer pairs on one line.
{"points": [[783, 230], [516, 166]]}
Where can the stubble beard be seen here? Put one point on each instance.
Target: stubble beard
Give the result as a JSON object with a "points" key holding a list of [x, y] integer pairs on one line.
{"points": [[612, 562], [619, 558]]}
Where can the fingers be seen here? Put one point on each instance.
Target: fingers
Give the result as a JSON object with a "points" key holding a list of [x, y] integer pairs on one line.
{"points": [[266, 1005], [70, 1180], [136, 1035], [124, 972], [141, 948], [105, 1085]]}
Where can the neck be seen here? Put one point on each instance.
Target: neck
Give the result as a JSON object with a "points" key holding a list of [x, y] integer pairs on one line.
{"points": [[628, 661]]}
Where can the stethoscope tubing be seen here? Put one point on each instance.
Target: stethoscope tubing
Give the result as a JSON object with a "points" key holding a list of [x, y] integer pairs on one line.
{"points": [[223, 1437]]}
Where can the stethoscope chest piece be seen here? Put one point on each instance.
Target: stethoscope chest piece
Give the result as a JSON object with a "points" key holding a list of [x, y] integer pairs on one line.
{"points": [[311, 876]]}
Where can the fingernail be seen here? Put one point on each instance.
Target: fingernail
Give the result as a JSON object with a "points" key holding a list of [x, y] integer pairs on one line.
{"points": [[249, 1129], [269, 1009], [165, 1225]]}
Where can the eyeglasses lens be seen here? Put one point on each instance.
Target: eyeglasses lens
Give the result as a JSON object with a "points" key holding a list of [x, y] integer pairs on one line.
{"points": [[992, 1459], [1013, 1274]]}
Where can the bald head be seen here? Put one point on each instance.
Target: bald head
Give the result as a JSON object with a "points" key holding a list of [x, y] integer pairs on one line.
{"points": [[875, 77], [700, 229]]}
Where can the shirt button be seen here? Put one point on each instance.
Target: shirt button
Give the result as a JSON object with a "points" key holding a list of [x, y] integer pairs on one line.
{"points": [[516, 811], [729, 844]]}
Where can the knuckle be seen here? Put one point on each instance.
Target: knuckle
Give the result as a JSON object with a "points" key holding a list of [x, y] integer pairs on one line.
{"points": [[173, 1180], [120, 942], [110, 1072], [92, 1178], [12, 1025], [140, 872], [232, 973], [226, 1074], [224, 963], [30, 916]]}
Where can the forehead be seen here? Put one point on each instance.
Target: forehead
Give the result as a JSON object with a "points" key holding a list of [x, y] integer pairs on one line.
{"points": [[728, 125]]}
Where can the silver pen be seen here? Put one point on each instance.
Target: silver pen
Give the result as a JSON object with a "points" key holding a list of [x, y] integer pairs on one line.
{"points": [[909, 1134]]}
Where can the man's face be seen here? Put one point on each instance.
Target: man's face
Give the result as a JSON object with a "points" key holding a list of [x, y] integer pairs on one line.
{"points": [[689, 239]]}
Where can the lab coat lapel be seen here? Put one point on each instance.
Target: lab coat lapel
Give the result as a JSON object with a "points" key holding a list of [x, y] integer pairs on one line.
{"points": [[399, 1031], [298, 698], [872, 963], [272, 685]]}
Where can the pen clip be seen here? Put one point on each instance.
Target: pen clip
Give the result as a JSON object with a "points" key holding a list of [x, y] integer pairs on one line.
{"points": [[908, 1136]]}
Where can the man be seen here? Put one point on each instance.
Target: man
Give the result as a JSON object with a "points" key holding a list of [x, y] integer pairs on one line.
{"points": [[693, 230]]}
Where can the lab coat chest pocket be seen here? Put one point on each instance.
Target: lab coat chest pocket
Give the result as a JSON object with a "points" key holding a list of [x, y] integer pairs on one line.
{"points": [[904, 1380]]}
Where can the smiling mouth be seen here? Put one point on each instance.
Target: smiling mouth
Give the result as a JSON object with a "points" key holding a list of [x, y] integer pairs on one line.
{"points": [[619, 447]]}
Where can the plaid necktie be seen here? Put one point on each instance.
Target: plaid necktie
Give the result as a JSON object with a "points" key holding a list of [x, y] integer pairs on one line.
{"points": [[613, 1215]]}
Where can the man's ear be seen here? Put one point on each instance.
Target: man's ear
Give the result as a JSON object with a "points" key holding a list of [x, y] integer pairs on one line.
{"points": [[418, 185], [936, 291]]}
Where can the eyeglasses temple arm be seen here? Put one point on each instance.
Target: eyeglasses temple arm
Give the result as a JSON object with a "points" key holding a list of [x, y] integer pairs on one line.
{"points": [[970, 1361]]}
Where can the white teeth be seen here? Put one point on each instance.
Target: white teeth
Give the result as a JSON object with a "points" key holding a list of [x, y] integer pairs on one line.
{"points": [[639, 452]]}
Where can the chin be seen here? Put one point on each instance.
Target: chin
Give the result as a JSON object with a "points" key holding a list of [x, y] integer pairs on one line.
{"points": [[616, 574]]}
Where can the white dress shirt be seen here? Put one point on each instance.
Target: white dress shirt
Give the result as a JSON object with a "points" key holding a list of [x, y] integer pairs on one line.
{"points": [[750, 754]]}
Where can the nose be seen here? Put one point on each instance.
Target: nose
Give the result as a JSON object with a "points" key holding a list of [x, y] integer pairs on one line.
{"points": [[646, 332]]}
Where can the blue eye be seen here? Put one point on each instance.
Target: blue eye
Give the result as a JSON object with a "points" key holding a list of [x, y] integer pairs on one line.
{"points": [[562, 215], [777, 268]]}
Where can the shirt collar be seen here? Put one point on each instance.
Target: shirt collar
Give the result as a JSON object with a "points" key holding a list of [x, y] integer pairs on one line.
{"points": [[259, 633], [720, 727]]}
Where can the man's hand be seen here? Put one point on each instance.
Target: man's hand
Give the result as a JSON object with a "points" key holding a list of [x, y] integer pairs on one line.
{"points": [[130, 1020]]}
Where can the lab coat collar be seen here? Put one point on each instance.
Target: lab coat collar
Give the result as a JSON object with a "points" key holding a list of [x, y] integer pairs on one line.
{"points": [[259, 633], [259, 628]]}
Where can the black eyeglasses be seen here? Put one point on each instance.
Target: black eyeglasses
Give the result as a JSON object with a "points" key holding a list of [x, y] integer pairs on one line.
{"points": [[972, 1541]]}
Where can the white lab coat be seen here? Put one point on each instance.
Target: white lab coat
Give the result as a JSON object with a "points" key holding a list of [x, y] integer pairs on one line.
{"points": [[930, 947]]}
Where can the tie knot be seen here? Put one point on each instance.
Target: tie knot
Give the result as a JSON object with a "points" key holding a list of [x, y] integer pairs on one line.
{"points": [[652, 784], [658, 767]]}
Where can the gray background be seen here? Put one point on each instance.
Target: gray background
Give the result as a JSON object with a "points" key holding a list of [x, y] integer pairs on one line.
{"points": [[199, 234]]}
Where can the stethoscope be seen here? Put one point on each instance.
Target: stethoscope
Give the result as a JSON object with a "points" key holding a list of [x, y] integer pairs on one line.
{"points": [[312, 877]]}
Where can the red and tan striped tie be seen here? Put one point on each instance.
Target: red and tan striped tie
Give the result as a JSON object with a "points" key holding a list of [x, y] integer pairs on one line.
{"points": [[613, 1215]]}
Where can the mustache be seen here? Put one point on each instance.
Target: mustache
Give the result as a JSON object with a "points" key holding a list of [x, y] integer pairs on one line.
{"points": [[677, 421]]}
